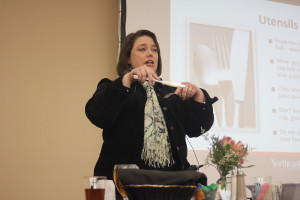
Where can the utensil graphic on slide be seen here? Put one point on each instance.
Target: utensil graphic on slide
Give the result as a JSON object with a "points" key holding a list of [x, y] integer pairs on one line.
{"points": [[238, 64]]}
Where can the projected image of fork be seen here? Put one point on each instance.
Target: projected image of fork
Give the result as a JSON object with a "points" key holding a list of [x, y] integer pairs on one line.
{"points": [[221, 47]]}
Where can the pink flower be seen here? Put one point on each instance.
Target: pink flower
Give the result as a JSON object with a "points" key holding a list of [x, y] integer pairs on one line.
{"points": [[238, 146], [232, 144], [226, 140]]}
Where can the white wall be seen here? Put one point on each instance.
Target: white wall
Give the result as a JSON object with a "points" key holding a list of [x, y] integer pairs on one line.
{"points": [[52, 55]]}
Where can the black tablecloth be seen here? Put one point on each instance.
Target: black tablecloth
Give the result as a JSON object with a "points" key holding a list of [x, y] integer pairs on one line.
{"points": [[157, 177]]}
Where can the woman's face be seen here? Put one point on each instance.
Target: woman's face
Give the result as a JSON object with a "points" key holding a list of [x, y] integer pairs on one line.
{"points": [[144, 52]]}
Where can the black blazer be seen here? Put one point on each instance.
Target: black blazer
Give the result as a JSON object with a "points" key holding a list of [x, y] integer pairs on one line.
{"points": [[119, 111]]}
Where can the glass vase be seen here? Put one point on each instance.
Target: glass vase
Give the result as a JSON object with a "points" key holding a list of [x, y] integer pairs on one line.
{"points": [[225, 193]]}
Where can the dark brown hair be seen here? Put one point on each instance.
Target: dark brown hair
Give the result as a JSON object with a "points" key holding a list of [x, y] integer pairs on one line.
{"points": [[123, 67]]}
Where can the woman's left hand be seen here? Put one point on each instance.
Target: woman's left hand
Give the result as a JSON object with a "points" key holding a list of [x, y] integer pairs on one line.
{"points": [[190, 91]]}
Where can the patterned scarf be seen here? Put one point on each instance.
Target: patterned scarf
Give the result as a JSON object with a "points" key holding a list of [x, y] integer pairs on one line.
{"points": [[157, 149]]}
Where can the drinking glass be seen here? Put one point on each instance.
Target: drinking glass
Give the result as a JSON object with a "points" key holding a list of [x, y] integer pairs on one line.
{"points": [[94, 187], [258, 183], [117, 181]]}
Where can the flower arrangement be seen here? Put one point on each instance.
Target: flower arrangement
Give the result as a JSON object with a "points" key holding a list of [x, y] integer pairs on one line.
{"points": [[226, 155]]}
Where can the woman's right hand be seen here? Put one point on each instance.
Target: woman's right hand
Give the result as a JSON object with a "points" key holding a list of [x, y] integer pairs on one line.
{"points": [[143, 72]]}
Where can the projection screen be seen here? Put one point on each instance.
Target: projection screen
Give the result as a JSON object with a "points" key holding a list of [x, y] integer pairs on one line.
{"points": [[247, 53]]}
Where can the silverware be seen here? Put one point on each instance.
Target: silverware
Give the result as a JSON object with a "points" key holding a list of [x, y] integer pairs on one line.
{"points": [[163, 82]]}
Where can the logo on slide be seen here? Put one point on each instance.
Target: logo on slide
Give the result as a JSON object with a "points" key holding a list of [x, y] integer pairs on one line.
{"points": [[285, 164]]}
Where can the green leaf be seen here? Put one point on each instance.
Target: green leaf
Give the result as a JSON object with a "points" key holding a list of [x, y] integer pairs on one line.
{"points": [[228, 147]]}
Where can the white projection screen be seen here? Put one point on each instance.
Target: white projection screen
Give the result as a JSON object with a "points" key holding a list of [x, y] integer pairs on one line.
{"points": [[247, 53]]}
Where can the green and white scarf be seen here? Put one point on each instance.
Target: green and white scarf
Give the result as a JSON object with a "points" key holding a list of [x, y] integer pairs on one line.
{"points": [[157, 149]]}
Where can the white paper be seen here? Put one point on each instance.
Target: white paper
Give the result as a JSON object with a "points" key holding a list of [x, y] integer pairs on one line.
{"points": [[110, 190]]}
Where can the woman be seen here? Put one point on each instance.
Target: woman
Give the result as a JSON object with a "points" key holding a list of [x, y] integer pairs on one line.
{"points": [[139, 125]]}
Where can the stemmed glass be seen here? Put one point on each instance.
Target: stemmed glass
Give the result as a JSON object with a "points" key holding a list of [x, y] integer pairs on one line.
{"points": [[117, 181]]}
